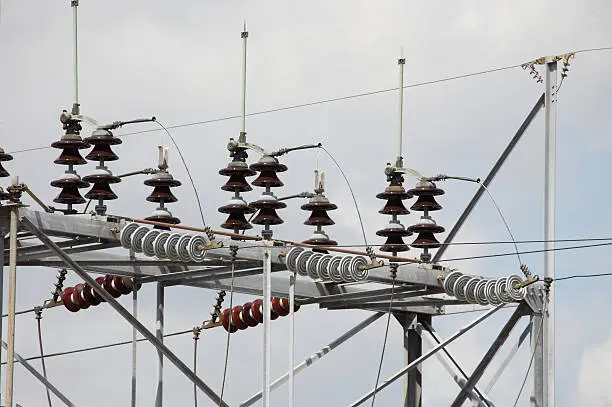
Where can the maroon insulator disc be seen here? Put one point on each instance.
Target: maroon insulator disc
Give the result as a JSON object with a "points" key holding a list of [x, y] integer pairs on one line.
{"points": [[246, 315], [256, 310], [278, 308], [67, 300], [108, 286], [236, 318], [226, 322]]}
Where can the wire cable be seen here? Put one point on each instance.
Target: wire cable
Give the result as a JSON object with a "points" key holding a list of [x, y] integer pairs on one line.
{"points": [[493, 242], [38, 312], [234, 250], [196, 337], [348, 184], [382, 355], [195, 190], [529, 367], [583, 276]]}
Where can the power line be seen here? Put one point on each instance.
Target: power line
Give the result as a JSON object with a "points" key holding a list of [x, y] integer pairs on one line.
{"points": [[527, 252], [583, 276], [301, 105], [493, 242]]}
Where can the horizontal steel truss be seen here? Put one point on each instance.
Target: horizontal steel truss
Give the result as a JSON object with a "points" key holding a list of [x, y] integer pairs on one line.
{"points": [[87, 239]]}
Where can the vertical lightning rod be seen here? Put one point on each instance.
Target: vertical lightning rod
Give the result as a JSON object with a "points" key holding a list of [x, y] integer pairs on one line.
{"points": [[244, 35], [75, 45], [400, 161]]}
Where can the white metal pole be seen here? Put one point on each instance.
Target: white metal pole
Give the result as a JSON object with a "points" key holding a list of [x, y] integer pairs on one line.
{"points": [[267, 300], [1, 296], [400, 162], [549, 228], [291, 336], [244, 35], [75, 46], [10, 353], [134, 343], [160, 337]]}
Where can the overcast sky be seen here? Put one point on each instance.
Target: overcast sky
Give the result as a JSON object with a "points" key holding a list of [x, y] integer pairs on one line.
{"points": [[180, 61]]}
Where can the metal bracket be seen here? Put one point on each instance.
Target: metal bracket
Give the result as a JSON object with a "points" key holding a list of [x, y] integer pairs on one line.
{"points": [[536, 297]]}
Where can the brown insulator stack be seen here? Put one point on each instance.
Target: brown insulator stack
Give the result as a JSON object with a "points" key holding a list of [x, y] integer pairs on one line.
{"points": [[395, 232], [426, 227], [70, 144], [102, 139], [267, 204], [237, 171], [161, 182], [4, 157], [251, 314], [319, 205]]}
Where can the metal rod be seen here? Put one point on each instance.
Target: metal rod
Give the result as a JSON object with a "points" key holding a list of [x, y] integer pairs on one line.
{"points": [[426, 356], [508, 359], [318, 355], [36, 199], [291, 337], [134, 344], [75, 48], [123, 312], [40, 378], [488, 357], [487, 181], [2, 299], [159, 332], [244, 35], [401, 62], [413, 349], [548, 334], [10, 353], [267, 299]]}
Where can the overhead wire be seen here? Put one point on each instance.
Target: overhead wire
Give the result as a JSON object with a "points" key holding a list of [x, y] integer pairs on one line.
{"points": [[38, 318], [195, 190]]}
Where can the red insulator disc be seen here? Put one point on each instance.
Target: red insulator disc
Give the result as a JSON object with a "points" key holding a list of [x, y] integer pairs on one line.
{"points": [[273, 314], [108, 286], [67, 300], [78, 298], [100, 281], [278, 307], [256, 310], [236, 319], [225, 321], [246, 315], [89, 297], [285, 304], [120, 285]]}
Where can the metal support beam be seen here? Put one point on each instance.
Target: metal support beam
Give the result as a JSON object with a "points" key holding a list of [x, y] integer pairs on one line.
{"points": [[267, 299], [10, 352], [123, 312], [40, 377], [508, 358], [159, 319], [134, 344], [426, 356], [316, 356], [413, 349], [1, 299], [487, 181], [488, 357]]}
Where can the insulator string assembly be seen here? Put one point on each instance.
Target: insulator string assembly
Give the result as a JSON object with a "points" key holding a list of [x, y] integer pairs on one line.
{"points": [[251, 314], [162, 182], [426, 227], [267, 204], [319, 205]]}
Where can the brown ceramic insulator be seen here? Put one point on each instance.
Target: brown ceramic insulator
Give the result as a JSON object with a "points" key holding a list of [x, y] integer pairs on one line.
{"points": [[246, 315], [226, 321], [162, 179], [78, 298], [394, 244], [268, 203], [426, 188], [162, 194], [393, 231], [319, 205], [394, 206], [319, 217], [267, 163], [320, 242], [395, 192], [285, 304], [89, 297], [236, 318], [278, 308], [102, 152], [236, 183], [426, 240], [101, 186], [70, 184], [108, 286], [257, 311], [236, 221], [4, 157], [100, 281], [426, 203], [70, 151], [122, 285], [267, 216], [426, 227], [268, 179], [67, 300], [165, 219]]}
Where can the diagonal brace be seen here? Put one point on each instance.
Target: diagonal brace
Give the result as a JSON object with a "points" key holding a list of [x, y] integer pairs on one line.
{"points": [[123, 312], [488, 357]]}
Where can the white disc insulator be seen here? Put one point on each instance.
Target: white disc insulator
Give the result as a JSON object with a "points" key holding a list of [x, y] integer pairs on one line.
{"points": [[195, 247], [136, 238], [345, 268], [491, 294], [517, 294], [312, 265], [459, 287], [470, 290], [333, 269], [171, 246], [181, 247], [125, 236], [300, 263], [501, 291], [480, 292], [356, 268], [291, 258], [449, 282], [159, 245], [148, 242], [322, 267]]}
